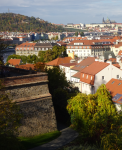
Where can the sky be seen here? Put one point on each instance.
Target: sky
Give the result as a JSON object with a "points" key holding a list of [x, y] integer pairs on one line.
{"points": [[66, 11]]}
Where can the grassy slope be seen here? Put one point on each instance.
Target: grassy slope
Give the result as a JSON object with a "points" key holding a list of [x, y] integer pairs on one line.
{"points": [[31, 142]]}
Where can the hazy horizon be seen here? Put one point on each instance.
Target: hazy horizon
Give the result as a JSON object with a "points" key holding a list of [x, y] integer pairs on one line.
{"points": [[66, 11]]}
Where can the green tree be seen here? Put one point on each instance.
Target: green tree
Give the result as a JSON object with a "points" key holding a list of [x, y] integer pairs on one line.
{"points": [[76, 33], [82, 33], [56, 79], [94, 115]]}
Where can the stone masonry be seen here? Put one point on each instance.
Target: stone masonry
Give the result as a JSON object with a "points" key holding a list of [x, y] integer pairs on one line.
{"points": [[31, 93]]}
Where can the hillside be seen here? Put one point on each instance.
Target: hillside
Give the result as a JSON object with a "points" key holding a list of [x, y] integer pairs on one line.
{"points": [[16, 22]]}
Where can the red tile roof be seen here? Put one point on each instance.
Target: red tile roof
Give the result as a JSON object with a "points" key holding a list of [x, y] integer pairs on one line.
{"points": [[26, 67], [115, 87], [120, 53], [77, 75], [68, 64], [14, 62], [116, 65], [84, 63], [59, 61], [88, 73]]}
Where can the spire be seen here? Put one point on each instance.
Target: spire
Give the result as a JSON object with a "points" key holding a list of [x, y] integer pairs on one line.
{"points": [[103, 20]]}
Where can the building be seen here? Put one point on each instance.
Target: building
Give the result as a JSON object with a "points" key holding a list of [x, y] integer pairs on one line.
{"points": [[58, 61], [84, 48], [14, 62], [26, 49], [96, 74], [108, 21], [114, 86], [43, 47]]}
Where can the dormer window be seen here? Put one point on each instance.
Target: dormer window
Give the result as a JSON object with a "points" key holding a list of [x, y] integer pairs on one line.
{"points": [[83, 76], [91, 77], [87, 77]]}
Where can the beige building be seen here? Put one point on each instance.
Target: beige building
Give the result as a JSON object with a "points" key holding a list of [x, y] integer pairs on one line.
{"points": [[117, 47], [26, 49]]}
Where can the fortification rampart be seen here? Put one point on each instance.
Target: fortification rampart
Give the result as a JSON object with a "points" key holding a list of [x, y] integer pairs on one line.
{"points": [[31, 93]]}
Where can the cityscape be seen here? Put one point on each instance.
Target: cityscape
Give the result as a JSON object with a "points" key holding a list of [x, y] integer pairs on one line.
{"points": [[61, 83]]}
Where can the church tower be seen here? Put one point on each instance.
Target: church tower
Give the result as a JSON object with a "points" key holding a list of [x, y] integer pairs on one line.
{"points": [[103, 20]]}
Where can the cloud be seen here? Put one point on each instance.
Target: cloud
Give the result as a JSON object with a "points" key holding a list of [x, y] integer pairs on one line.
{"points": [[56, 11]]}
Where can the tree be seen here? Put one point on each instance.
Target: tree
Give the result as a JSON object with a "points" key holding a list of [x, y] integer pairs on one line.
{"points": [[50, 55], [82, 33], [56, 79], [76, 33], [94, 115]]}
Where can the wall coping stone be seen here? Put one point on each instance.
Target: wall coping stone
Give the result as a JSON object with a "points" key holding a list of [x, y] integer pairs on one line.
{"points": [[30, 83]]}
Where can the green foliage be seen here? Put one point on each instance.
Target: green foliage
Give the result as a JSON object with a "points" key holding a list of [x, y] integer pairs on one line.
{"points": [[50, 55], [21, 23], [10, 117], [31, 142], [25, 59], [56, 79], [94, 115]]}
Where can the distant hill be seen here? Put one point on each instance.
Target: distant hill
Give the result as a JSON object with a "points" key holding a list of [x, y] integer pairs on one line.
{"points": [[17, 22]]}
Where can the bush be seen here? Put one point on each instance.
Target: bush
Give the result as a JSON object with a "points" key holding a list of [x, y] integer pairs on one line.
{"points": [[94, 115]]}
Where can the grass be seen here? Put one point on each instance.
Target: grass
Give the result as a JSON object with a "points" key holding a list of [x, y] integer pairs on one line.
{"points": [[31, 142]]}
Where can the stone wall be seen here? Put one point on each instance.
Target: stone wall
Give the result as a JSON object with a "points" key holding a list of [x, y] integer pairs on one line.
{"points": [[31, 93]]}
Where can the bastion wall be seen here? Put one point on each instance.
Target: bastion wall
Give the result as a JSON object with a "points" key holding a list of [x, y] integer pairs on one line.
{"points": [[31, 93]]}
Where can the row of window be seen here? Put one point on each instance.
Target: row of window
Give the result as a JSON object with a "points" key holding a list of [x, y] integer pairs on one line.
{"points": [[32, 48], [79, 50], [76, 47]]}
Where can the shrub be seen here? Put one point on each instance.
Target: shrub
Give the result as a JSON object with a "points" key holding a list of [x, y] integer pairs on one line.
{"points": [[93, 115]]}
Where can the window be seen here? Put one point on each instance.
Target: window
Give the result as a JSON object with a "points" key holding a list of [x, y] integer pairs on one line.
{"points": [[119, 84], [91, 77], [117, 76], [83, 75], [87, 46], [31, 48], [72, 47], [39, 49], [46, 48], [42, 48], [112, 82], [35, 48], [87, 77], [84, 46], [102, 77]]}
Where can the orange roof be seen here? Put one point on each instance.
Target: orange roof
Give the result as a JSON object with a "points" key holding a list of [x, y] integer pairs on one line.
{"points": [[116, 65], [84, 63], [58, 61], [118, 45], [113, 59], [115, 87], [26, 66], [90, 42], [77, 75], [88, 73], [120, 53], [26, 44], [14, 62]]}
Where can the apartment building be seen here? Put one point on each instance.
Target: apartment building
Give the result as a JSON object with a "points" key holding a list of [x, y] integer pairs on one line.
{"points": [[84, 48], [26, 49], [29, 48]]}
